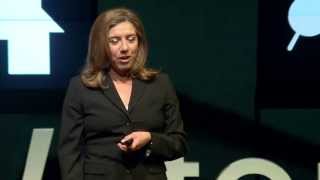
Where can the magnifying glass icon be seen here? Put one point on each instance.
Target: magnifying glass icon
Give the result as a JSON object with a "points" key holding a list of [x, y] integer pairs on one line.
{"points": [[304, 19]]}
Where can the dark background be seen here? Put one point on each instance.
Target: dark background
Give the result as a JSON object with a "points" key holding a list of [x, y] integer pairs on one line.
{"points": [[241, 93], [285, 79]]}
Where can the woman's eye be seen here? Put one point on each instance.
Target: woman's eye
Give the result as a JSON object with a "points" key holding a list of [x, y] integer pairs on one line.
{"points": [[132, 38], [113, 40]]}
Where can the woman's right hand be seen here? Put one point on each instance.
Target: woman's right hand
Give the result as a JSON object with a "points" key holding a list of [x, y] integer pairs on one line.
{"points": [[134, 141]]}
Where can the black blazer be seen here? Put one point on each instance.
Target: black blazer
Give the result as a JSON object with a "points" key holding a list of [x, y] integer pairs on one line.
{"points": [[94, 121]]}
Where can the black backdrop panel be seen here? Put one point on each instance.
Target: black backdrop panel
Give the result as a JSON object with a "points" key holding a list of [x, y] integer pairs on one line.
{"points": [[286, 78]]}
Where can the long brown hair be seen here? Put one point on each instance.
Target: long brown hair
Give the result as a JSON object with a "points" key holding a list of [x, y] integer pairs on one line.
{"points": [[98, 56]]}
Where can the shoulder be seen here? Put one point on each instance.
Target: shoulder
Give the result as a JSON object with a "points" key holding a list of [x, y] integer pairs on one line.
{"points": [[75, 83], [162, 78], [160, 82], [75, 80], [163, 81], [167, 86]]}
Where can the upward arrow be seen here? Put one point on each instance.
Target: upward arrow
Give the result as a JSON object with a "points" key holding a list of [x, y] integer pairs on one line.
{"points": [[26, 26]]}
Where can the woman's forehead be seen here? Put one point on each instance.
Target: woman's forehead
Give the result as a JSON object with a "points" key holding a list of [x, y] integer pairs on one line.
{"points": [[123, 28]]}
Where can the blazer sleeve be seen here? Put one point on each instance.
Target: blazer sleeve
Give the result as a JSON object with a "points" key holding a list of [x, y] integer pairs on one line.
{"points": [[70, 140], [171, 143]]}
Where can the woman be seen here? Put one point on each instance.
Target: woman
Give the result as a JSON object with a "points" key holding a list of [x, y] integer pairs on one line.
{"points": [[120, 120]]}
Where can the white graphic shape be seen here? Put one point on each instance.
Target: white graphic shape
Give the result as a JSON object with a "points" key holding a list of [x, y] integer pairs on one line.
{"points": [[38, 153], [251, 166], [27, 27], [178, 169], [304, 19]]}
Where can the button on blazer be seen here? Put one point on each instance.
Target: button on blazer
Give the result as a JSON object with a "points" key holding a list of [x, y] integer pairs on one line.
{"points": [[94, 120]]}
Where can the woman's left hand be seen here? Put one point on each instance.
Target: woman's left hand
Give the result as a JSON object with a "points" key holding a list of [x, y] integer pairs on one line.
{"points": [[139, 139]]}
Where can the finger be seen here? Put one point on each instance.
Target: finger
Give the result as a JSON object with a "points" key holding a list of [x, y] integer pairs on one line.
{"points": [[126, 138], [133, 145], [122, 147]]}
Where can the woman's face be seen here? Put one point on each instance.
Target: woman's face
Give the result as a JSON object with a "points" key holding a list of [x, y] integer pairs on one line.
{"points": [[123, 45]]}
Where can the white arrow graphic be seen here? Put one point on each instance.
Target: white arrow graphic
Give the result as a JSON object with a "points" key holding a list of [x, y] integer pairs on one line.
{"points": [[26, 26]]}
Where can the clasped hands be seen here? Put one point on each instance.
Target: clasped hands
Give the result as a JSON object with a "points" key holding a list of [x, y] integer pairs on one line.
{"points": [[134, 141]]}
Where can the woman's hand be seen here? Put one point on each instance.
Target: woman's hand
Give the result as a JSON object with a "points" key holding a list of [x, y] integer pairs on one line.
{"points": [[139, 139]]}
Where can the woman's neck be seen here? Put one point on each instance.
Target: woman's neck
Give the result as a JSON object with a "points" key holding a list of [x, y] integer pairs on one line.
{"points": [[119, 77]]}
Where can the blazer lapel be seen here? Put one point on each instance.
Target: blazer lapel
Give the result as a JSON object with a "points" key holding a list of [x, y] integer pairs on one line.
{"points": [[138, 89], [111, 93]]}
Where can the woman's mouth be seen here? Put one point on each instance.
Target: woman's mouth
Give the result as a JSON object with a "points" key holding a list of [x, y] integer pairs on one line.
{"points": [[124, 59]]}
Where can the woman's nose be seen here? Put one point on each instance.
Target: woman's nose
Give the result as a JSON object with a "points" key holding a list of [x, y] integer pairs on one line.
{"points": [[124, 46]]}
